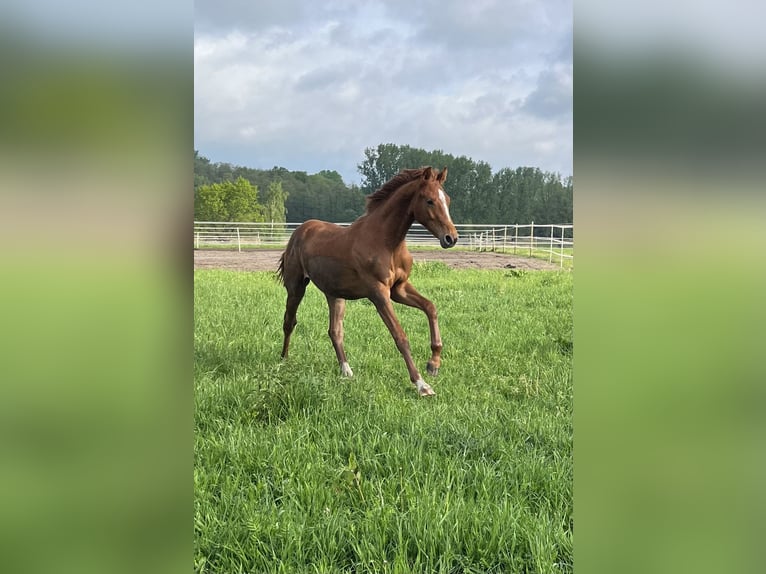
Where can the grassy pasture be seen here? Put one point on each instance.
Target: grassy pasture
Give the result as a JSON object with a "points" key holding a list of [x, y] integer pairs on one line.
{"points": [[298, 470]]}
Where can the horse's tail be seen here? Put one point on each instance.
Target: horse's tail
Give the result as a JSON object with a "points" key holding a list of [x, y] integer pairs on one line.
{"points": [[281, 268]]}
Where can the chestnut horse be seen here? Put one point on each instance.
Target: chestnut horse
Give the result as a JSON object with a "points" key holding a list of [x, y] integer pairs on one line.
{"points": [[369, 259]]}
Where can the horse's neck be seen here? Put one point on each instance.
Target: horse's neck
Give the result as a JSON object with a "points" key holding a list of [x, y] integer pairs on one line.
{"points": [[395, 217]]}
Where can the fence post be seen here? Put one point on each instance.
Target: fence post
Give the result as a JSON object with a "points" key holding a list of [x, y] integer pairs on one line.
{"points": [[516, 239], [561, 256], [239, 244], [197, 240], [531, 238], [505, 237], [550, 248]]}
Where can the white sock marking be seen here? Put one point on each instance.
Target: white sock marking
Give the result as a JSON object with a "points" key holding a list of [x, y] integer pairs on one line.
{"points": [[346, 371], [423, 387]]}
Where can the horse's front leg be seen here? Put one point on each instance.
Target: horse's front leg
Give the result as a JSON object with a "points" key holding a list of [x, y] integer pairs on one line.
{"points": [[382, 302], [406, 294]]}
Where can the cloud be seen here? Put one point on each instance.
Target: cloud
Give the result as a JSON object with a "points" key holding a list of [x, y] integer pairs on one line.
{"points": [[311, 90], [552, 97]]}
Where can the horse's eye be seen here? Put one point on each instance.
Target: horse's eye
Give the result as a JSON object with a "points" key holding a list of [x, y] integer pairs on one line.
{"points": [[430, 201]]}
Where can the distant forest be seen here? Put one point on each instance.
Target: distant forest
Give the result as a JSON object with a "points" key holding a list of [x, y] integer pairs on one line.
{"points": [[521, 195]]}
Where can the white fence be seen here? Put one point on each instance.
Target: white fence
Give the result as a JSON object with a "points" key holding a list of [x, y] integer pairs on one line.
{"points": [[553, 241]]}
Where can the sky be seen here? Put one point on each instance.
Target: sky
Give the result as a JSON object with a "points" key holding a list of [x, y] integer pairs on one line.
{"points": [[308, 85]]}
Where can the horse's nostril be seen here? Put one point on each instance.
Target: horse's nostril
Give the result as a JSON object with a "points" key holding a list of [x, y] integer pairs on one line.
{"points": [[448, 239]]}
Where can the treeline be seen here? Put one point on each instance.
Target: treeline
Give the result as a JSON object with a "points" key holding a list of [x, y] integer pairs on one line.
{"points": [[322, 195], [519, 195]]}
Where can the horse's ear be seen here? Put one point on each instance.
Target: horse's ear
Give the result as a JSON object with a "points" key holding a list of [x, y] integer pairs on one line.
{"points": [[428, 173], [442, 176]]}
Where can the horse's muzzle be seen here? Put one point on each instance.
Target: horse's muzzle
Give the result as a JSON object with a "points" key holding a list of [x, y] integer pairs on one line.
{"points": [[448, 241]]}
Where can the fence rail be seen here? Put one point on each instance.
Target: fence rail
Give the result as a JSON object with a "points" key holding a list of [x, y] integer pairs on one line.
{"points": [[553, 240], [532, 239]]}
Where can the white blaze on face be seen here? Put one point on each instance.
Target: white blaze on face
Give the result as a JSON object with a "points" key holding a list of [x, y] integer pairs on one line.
{"points": [[443, 199]]}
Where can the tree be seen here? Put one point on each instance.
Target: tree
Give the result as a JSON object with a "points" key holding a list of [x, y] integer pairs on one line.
{"points": [[275, 203], [228, 201], [209, 203], [380, 165], [202, 170]]}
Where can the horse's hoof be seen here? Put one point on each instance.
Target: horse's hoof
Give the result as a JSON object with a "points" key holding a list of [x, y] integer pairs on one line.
{"points": [[431, 370], [424, 389], [346, 371]]}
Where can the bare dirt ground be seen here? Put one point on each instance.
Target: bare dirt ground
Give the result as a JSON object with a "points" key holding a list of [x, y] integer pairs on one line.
{"points": [[263, 260]]}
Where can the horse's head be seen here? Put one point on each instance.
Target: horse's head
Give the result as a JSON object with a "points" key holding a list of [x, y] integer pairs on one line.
{"points": [[430, 206]]}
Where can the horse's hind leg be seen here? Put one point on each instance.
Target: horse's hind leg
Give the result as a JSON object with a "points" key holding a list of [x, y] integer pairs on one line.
{"points": [[296, 289], [337, 310]]}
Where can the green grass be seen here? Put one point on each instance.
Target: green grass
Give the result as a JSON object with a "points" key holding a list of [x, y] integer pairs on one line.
{"points": [[298, 470]]}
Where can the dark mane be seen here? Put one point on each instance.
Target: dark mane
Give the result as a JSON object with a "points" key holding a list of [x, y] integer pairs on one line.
{"points": [[403, 177]]}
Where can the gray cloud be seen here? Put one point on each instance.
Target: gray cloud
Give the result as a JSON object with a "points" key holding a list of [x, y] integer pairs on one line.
{"points": [[552, 98], [312, 89]]}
